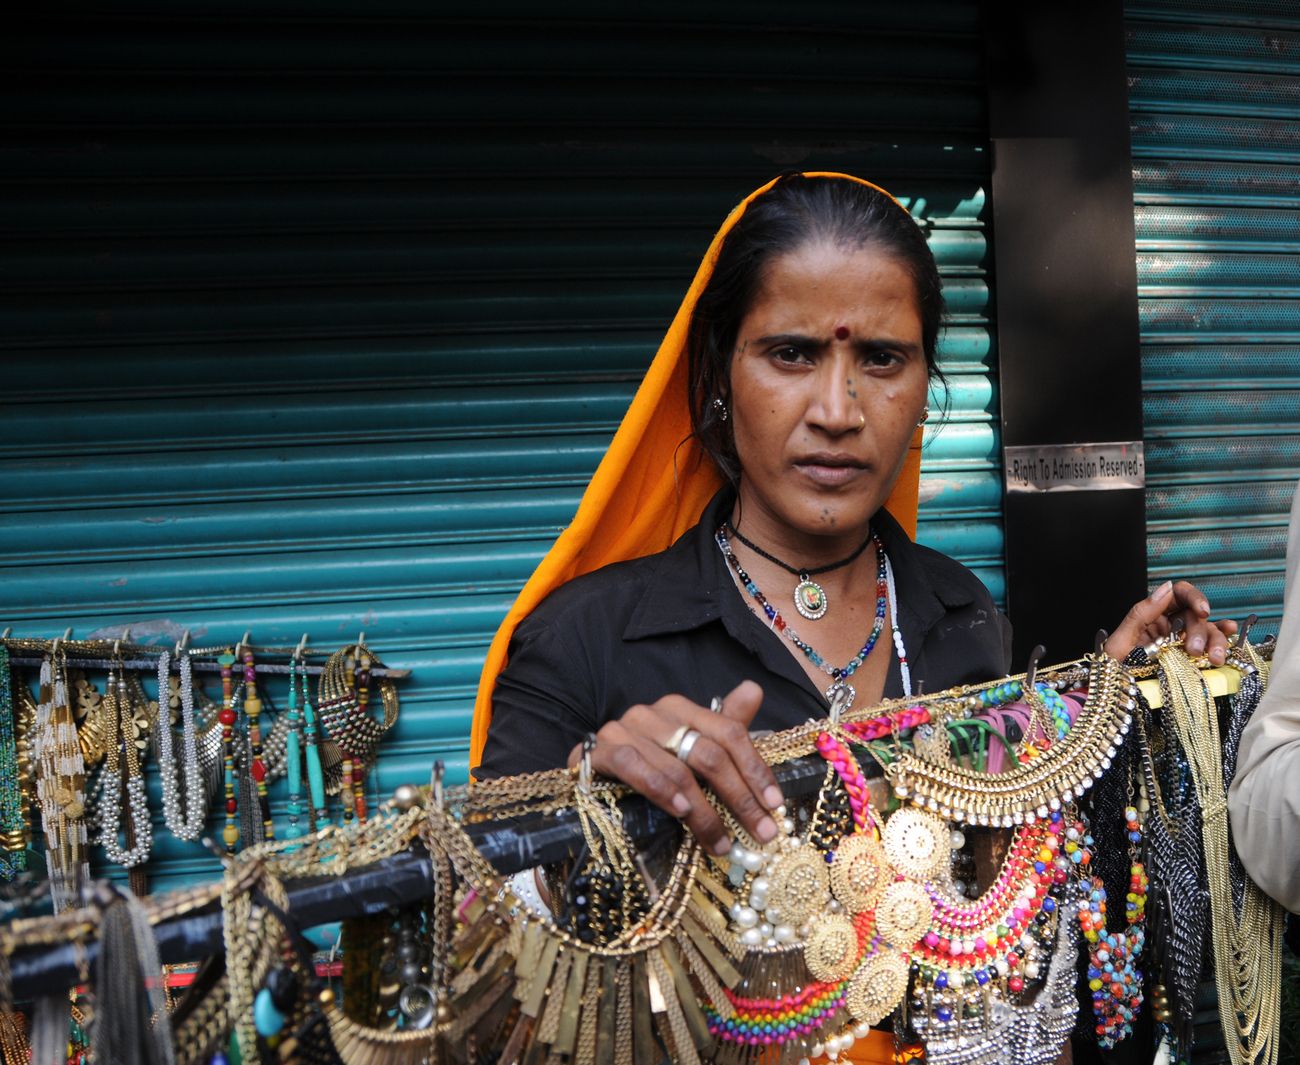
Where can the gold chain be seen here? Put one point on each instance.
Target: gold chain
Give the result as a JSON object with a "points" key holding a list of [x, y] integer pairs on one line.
{"points": [[1246, 949]]}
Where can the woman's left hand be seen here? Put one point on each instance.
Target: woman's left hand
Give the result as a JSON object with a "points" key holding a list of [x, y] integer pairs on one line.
{"points": [[1150, 619]]}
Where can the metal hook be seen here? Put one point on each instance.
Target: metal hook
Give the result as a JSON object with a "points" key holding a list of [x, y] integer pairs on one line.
{"points": [[361, 642], [436, 784], [584, 765], [1244, 631], [117, 644], [1035, 656], [5, 635], [302, 646], [239, 647], [182, 643], [54, 647], [1099, 643]]}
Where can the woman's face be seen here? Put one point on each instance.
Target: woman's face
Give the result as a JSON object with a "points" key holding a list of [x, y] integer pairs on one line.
{"points": [[828, 382]]}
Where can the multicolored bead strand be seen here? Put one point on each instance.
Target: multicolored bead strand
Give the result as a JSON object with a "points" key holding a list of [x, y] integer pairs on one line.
{"points": [[253, 711], [1114, 976], [775, 1021], [293, 758], [838, 675], [229, 835]]}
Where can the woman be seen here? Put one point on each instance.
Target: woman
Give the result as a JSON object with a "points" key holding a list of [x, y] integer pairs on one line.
{"points": [[791, 390]]}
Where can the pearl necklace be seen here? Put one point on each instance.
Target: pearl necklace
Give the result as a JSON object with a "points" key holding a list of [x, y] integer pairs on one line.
{"points": [[184, 824], [121, 749]]}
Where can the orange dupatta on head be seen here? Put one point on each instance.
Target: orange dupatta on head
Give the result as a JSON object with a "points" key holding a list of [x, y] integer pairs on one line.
{"points": [[653, 483]]}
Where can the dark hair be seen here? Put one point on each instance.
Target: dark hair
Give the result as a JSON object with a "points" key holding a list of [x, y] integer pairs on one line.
{"points": [[794, 212]]}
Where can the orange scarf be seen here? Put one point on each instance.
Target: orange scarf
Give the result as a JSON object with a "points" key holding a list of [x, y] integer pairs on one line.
{"points": [[650, 487]]}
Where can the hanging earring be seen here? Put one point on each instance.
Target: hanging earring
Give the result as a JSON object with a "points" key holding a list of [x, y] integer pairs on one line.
{"points": [[721, 408], [925, 416]]}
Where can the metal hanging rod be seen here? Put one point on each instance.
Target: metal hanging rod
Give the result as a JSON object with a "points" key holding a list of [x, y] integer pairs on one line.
{"points": [[511, 845], [199, 665]]}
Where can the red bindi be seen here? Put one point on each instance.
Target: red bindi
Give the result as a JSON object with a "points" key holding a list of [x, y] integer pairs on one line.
{"points": [[842, 332]]}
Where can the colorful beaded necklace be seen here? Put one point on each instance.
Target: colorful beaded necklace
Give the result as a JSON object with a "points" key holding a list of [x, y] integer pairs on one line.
{"points": [[230, 834], [1114, 976], [839, 675], [809, 596]]}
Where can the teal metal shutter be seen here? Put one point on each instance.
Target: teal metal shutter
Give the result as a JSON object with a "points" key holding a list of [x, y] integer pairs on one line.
{"points": [[320, 323], [1215, 102]]}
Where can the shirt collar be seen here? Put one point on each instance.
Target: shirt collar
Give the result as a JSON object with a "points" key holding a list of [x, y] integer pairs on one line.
{"points": [[692, 585]]}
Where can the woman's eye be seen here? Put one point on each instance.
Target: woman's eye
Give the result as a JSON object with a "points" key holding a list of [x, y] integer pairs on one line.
{"points": [[789, 355], [883, 358]]}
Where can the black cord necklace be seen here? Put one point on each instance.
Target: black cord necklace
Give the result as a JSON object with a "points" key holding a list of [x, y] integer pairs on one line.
{"points": [[809, 596]]}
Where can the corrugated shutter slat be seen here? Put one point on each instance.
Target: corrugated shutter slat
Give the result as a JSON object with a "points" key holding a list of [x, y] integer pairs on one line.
{"points": [[1214, 95], [320, 321]]}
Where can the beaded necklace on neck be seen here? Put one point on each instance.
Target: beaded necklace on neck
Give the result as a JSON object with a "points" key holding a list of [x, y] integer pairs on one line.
{"points": [[839, 687], [809, 596]]}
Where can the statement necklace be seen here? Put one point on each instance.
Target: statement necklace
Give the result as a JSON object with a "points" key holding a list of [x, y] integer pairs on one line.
{"points": [[840, 686], [809, 596], [187, 823]]}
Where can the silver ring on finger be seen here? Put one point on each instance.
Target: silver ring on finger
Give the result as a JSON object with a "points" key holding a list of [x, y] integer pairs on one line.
{"points": [[687, 745], [674, 742], [715, 704]]}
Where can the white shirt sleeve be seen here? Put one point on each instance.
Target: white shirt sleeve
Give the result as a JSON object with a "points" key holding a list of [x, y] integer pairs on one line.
{"points": [[1264, 800]]}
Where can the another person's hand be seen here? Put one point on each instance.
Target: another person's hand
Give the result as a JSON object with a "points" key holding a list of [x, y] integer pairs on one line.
{"points": [[1150, 618], [634, 749]]}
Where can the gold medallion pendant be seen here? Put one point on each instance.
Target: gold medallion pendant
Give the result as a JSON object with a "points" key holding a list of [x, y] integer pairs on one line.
{"points": [[831, 951], [916, 843], [859, 874], [799, 885], [877, 987], [903, 914]]}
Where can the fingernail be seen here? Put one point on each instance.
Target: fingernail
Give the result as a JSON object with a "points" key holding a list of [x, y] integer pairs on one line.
{"points": [[765, 831], [772, 796], [1217, 656], [1196, 644], [723, 846], [1163, 590], [681, 804], [1203, 607]]}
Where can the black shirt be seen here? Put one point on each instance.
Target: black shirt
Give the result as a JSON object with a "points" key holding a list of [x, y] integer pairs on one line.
{"points": [[675, 623]]}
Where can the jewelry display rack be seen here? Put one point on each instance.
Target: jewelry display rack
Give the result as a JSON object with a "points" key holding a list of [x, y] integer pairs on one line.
{"points": [[510, 845]]}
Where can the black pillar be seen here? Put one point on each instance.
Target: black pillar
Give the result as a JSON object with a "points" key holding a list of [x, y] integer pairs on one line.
{"points": [[1067, 320]]}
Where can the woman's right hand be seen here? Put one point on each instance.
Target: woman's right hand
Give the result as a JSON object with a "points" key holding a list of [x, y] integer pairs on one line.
{"points": [[632, 750]]}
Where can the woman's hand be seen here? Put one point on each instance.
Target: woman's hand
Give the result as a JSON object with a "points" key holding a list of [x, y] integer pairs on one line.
{"points": [[1150, 619], [632, 749]]}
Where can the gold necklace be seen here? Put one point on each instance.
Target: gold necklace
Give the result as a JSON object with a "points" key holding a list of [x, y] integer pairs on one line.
{"points": [[1246, 947], [1029, 791]]}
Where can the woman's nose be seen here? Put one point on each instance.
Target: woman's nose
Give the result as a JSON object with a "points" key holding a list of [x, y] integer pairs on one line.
{"points": [[834, 405]]}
